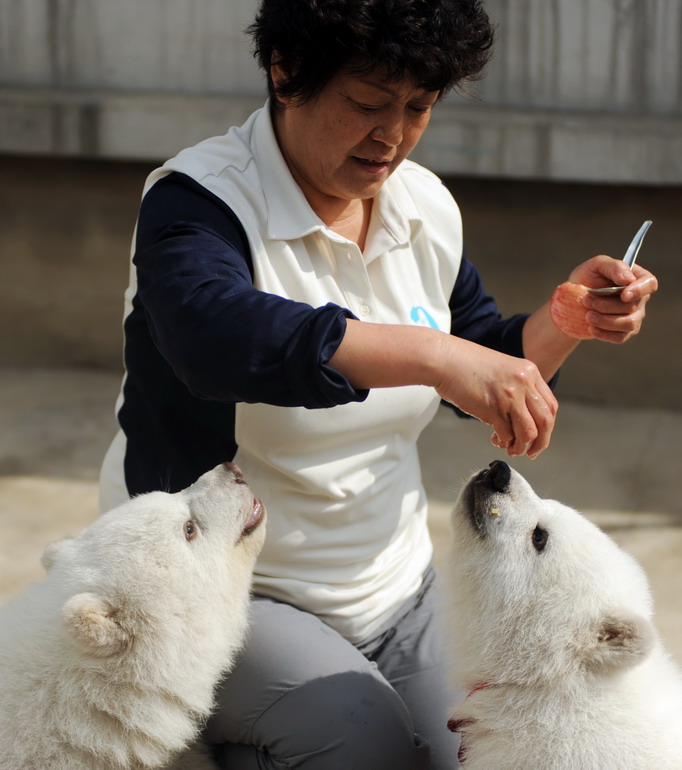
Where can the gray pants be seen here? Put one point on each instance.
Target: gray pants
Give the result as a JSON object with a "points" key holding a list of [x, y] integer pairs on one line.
{"points": [[302, 696]]}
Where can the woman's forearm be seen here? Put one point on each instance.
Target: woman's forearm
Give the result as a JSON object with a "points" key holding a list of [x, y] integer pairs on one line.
{"points": [[387, 355], [544, 344]]}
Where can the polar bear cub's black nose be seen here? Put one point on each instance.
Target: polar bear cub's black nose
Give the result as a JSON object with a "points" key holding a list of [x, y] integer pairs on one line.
{"points": [[496, 477]]}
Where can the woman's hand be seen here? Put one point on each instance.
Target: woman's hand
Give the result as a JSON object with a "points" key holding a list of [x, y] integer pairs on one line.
{"points": [[504, 392], [615, 318]]}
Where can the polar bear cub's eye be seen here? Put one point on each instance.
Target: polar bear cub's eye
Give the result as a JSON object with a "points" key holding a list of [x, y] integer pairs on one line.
{"points": [[540, 537], [190, 530]]}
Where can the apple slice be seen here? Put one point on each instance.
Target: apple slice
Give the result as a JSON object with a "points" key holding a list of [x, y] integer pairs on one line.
{"points": [[567, 310]]}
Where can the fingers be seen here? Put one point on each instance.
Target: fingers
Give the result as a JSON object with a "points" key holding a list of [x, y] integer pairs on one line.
{"points": [[526, 427], [544, 414], [610, 271], [605, 271], [532, 426], [644, 285], [617, 319], [614, 328], [602, 271]]}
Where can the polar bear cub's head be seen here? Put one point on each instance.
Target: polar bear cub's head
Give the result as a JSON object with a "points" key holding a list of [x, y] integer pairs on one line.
{"points": [[538, 591], [113, 660], [161, 570]]}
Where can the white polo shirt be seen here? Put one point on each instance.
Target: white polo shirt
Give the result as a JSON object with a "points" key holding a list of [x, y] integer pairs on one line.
{"points": [[347, 537]]}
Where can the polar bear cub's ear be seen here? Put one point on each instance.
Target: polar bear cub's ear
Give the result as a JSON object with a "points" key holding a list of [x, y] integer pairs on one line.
{"points": [[621, 639], [92, 622], [52, 551]]}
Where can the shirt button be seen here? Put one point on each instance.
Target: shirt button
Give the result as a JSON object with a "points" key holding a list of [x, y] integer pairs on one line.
{"points": [[364, 309]]}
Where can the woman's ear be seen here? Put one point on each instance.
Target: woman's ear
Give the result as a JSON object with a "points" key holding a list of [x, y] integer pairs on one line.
{"points": [[279, 77]]}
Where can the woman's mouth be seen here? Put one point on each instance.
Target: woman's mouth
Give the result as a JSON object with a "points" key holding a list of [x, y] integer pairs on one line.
{"points": [[377, 167]]}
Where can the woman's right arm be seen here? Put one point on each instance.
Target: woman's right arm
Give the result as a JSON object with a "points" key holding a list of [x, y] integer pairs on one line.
{"points": [[503, 391], [223, 338]]}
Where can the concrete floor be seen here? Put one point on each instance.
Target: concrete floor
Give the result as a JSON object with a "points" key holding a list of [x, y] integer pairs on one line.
{"points": [[618, 466]]}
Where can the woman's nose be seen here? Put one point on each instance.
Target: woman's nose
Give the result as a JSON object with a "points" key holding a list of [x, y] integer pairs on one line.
{"points": [[388, 132]]}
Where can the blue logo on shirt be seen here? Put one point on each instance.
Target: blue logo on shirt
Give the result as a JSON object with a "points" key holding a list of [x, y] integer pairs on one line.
{"points": [[422, 317]]}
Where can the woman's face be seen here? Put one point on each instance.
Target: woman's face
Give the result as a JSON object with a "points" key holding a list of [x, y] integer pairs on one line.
{"points": [[344, 143]]}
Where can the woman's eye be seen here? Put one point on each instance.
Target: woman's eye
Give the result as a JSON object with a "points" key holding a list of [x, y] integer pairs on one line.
{"points": [[540, 537], [190, 530], [367, 107]]}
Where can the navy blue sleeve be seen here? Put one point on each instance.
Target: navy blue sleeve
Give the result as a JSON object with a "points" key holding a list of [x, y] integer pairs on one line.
{"points": [[475, 316], [223, 338]]}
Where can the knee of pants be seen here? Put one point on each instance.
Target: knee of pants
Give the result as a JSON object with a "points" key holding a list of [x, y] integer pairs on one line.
{"points": [[346, 721]]}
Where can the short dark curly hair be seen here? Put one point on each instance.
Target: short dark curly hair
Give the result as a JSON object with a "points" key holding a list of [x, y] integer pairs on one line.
{"points": [[437, 43]]}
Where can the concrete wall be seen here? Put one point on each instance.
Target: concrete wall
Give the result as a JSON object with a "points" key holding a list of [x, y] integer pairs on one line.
{"points": [[621, 56], [577, 90], [585, 90], [599, 56], [173, 46]]}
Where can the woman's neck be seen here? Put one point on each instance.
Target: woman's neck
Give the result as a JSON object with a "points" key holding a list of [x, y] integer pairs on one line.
{"points": [[351, 222]]}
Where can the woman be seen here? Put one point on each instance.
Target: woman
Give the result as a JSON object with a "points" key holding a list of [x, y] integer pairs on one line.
{"points": [[300, 303]]}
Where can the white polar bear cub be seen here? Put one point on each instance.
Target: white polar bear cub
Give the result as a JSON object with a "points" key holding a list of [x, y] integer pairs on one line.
{"points": [[553, 640], [112, 661]]}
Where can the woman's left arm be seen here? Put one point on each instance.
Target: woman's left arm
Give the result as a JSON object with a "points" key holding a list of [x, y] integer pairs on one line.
{"points": [[614, 318]]}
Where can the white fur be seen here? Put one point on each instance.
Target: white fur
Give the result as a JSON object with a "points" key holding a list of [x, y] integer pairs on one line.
{"points": [[578, 677], [112, 661]]}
